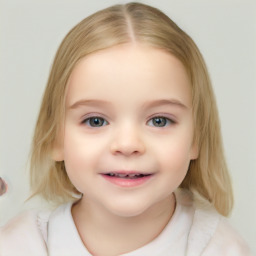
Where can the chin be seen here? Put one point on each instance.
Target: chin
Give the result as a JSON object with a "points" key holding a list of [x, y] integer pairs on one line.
{"points": [[128, 209]]}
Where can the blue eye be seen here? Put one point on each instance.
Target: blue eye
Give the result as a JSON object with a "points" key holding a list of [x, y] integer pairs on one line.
{"points": [[160, 121], [95, 121]]}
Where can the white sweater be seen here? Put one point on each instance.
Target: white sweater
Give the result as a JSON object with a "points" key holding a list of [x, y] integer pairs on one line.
{"points": [[192, 231]]}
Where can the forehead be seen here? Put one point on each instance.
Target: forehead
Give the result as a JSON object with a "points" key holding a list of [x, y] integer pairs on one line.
{"points": [[126, 70]]}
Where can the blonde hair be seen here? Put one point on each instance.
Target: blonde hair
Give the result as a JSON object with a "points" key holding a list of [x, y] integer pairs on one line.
{"points": [[119, 24]]}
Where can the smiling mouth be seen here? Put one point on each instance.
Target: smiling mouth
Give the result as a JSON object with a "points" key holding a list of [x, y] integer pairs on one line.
{"points": [[127, 175], [127, 179]]}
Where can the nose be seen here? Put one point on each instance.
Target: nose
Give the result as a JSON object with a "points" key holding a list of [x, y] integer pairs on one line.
{"points": [[127, 141]]}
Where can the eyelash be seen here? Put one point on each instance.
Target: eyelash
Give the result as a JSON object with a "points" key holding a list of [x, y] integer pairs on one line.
{"points": [[167, 121], [150, 122], [88, 120]]}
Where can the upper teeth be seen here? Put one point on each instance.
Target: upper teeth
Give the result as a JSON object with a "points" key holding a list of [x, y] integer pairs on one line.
{"points": [[123, 175]]}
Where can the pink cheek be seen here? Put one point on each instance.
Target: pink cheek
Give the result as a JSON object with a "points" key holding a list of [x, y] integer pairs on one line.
{"points": [[176, 159], [78, 159]]}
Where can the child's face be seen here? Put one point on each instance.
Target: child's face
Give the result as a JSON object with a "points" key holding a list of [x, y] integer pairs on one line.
{"points": [[128, 111]]}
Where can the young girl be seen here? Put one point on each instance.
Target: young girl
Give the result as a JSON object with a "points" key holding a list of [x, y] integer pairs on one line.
{"points": [[128, 142]]}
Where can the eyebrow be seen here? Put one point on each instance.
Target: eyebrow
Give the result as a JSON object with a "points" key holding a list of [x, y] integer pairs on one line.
{"points": [[172, 102], [149, 104], [89, 102]]}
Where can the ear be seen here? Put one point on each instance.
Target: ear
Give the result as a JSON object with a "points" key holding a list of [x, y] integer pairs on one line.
{"points": [[57, 153], [194, 151]]}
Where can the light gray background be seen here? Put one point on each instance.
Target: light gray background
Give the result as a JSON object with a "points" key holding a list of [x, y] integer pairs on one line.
{"points": [[225, 31]]}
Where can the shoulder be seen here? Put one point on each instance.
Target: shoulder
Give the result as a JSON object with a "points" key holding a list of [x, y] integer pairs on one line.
{"points": [[211, 234], [24, 235], [226, 241]]}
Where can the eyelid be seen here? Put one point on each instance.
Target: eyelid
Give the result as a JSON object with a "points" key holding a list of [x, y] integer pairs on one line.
{"points": [[164, 115], [94, 114]]}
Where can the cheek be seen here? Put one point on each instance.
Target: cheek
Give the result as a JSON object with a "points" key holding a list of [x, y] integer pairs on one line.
{"points": [[77, 158], [74, 152], [82, 155], [175, 156], [174, 165], [78, 149]]}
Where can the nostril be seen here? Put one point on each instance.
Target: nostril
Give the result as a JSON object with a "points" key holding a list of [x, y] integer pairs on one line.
{"points": [[3, 187]]}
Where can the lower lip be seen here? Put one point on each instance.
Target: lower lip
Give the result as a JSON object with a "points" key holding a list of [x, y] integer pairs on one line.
{"points": [[127, 183]]}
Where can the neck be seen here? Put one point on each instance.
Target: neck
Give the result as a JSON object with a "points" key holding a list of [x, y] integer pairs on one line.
{"points": [[104, 233]]}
